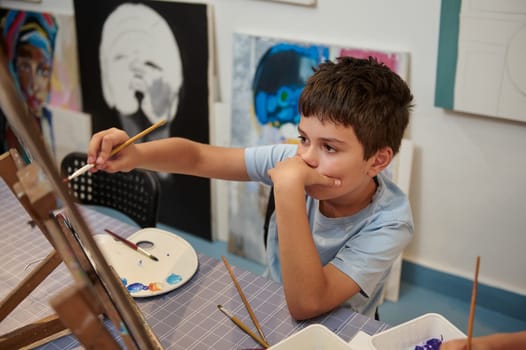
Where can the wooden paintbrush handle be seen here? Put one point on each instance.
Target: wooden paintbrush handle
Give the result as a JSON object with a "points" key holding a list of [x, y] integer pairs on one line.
{"points": [[136, 137]]}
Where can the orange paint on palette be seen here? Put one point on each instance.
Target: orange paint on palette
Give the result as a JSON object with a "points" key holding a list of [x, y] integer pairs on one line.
{"points": [[155, 287]]}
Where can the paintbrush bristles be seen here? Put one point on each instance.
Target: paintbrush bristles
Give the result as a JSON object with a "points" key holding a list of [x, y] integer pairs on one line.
{"points": [[79, 172], [150, 255], [243, 326]]}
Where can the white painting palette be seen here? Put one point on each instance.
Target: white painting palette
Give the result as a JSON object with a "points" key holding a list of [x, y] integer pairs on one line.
{"points": [[142, 276]]}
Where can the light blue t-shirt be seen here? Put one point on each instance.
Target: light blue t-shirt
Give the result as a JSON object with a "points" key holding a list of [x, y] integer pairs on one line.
{"points": [[363, 246]]}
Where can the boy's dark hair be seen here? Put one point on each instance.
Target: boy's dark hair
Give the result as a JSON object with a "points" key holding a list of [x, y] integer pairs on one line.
{"points": [[364, 94]]}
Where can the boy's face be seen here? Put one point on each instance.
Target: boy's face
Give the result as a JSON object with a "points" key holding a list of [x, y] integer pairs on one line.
{"points": [[334, 151]]}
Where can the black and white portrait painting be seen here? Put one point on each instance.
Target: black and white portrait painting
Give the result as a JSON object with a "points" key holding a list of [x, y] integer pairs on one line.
{"points": [[145, 61]]}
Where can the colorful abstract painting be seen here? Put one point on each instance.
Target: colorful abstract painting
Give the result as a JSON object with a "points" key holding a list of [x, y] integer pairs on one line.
{"points": [[268, 75], [481, 55], [41, 50], [145, 61]]}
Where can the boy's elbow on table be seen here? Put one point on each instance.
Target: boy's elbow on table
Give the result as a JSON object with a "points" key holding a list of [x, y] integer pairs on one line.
{"points": [[305, 308]]}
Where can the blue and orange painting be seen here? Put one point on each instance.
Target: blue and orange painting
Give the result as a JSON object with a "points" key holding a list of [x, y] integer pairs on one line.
{"points": [[280, 76]]}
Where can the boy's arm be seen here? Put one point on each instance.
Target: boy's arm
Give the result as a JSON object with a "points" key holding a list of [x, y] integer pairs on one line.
{"points": [[182, 156], [174, 155], [310, 288]]}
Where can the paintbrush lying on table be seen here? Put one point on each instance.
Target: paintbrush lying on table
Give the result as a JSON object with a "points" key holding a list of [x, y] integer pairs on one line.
{"points": [[244, 298], [117, 149], [241, 325]]}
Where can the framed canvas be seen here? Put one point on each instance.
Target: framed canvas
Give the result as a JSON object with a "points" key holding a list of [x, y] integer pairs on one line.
{"points": [[144, 61], [42, 58], [481, 53]]}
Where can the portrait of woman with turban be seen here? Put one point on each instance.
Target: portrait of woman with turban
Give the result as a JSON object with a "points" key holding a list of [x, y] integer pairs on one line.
{"points": [[28, 39]]}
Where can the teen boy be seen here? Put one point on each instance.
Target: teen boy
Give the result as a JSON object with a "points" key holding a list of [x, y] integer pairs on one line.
{"points": [[339, 222]]}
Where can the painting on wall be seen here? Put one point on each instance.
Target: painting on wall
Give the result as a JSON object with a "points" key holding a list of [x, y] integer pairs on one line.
{"points": [[481, 55], [268, 76], [145, 61], [42, 55]]}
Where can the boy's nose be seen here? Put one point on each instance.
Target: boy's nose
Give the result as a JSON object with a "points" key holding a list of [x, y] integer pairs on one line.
{"points": [[309, 156]]}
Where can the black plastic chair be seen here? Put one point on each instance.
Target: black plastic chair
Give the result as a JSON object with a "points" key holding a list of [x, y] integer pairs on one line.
{"points": [[135, 193]]}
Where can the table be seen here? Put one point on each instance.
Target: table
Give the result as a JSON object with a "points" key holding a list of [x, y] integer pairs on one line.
{"points": [[186, 318]]}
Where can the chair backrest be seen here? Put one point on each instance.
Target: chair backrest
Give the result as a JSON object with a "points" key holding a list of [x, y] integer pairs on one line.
{"points": [[271, 206], [135, 193]]}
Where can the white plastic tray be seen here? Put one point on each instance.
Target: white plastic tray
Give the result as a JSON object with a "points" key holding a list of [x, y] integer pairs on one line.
{"points": [[416, 332], [402, 337], [313, 337]]}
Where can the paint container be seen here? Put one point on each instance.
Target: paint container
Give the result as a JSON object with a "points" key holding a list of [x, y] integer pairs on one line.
{"points": [[415, 332], [313, 337]]}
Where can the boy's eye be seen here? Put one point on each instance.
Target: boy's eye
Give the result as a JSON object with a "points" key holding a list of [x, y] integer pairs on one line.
{"points": [[302, 139], [329, 148]]}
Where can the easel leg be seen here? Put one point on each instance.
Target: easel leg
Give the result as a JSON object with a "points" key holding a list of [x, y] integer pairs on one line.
{"points": [[28, 284], [41, 331], [77, 313]]}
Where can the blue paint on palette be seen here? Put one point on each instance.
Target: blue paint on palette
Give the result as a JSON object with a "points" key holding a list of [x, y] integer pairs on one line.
{"points": [[137, 287], [174, 279]]}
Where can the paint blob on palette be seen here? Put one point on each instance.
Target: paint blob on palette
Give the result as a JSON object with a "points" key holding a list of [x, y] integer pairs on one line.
{"points": [[144, 277], [135, 287]]}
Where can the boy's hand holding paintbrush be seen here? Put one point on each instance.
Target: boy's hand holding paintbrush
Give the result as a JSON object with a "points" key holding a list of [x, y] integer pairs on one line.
{"points": [[104, 145]]}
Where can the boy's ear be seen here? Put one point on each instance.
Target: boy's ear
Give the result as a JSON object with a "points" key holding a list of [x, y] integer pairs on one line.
{"points": [[380, 160]]}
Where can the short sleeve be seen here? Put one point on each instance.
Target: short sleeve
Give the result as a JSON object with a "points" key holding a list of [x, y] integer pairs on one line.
{"points": [[258, 160], [368, 256]]}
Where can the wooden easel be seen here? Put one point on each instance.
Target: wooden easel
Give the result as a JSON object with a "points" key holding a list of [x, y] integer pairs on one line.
{"points": [[95, 292], [74, 306]]}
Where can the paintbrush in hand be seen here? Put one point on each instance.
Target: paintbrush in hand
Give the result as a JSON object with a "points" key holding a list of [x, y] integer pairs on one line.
{"points": [[117, 149]]}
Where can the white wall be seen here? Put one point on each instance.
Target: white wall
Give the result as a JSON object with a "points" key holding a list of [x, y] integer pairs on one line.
{"points": [[468, 188]]}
